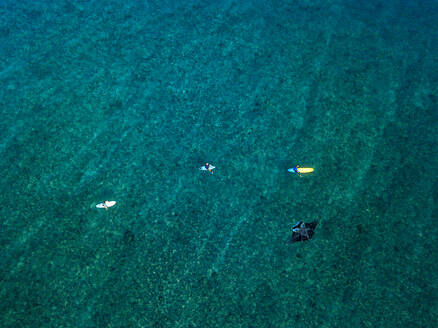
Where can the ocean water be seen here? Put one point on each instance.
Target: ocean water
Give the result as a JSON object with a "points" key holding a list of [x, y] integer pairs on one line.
{"points": [[125, 100]]}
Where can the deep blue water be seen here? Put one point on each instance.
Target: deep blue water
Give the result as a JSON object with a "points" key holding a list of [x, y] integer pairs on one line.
{"points": [[119, 100]]}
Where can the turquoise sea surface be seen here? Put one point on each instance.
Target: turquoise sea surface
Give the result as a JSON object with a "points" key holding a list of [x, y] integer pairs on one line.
{"points": [[126, 100]]}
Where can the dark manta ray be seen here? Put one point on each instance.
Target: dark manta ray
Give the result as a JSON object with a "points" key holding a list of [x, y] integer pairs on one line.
{"points": [[302, 231]]}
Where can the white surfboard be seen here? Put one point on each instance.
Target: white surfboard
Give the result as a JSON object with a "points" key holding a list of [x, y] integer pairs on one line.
{"points": [[108, 204], [203, 168]]}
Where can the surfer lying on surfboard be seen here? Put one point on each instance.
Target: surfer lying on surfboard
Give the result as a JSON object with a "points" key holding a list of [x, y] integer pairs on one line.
{"points": [[106, 204], [207, 167], [300, 170], [295, 169]]}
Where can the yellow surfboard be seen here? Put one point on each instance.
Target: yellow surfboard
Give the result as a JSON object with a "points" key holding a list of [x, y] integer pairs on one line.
{"points": [[305, 169], [302, 170]]}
